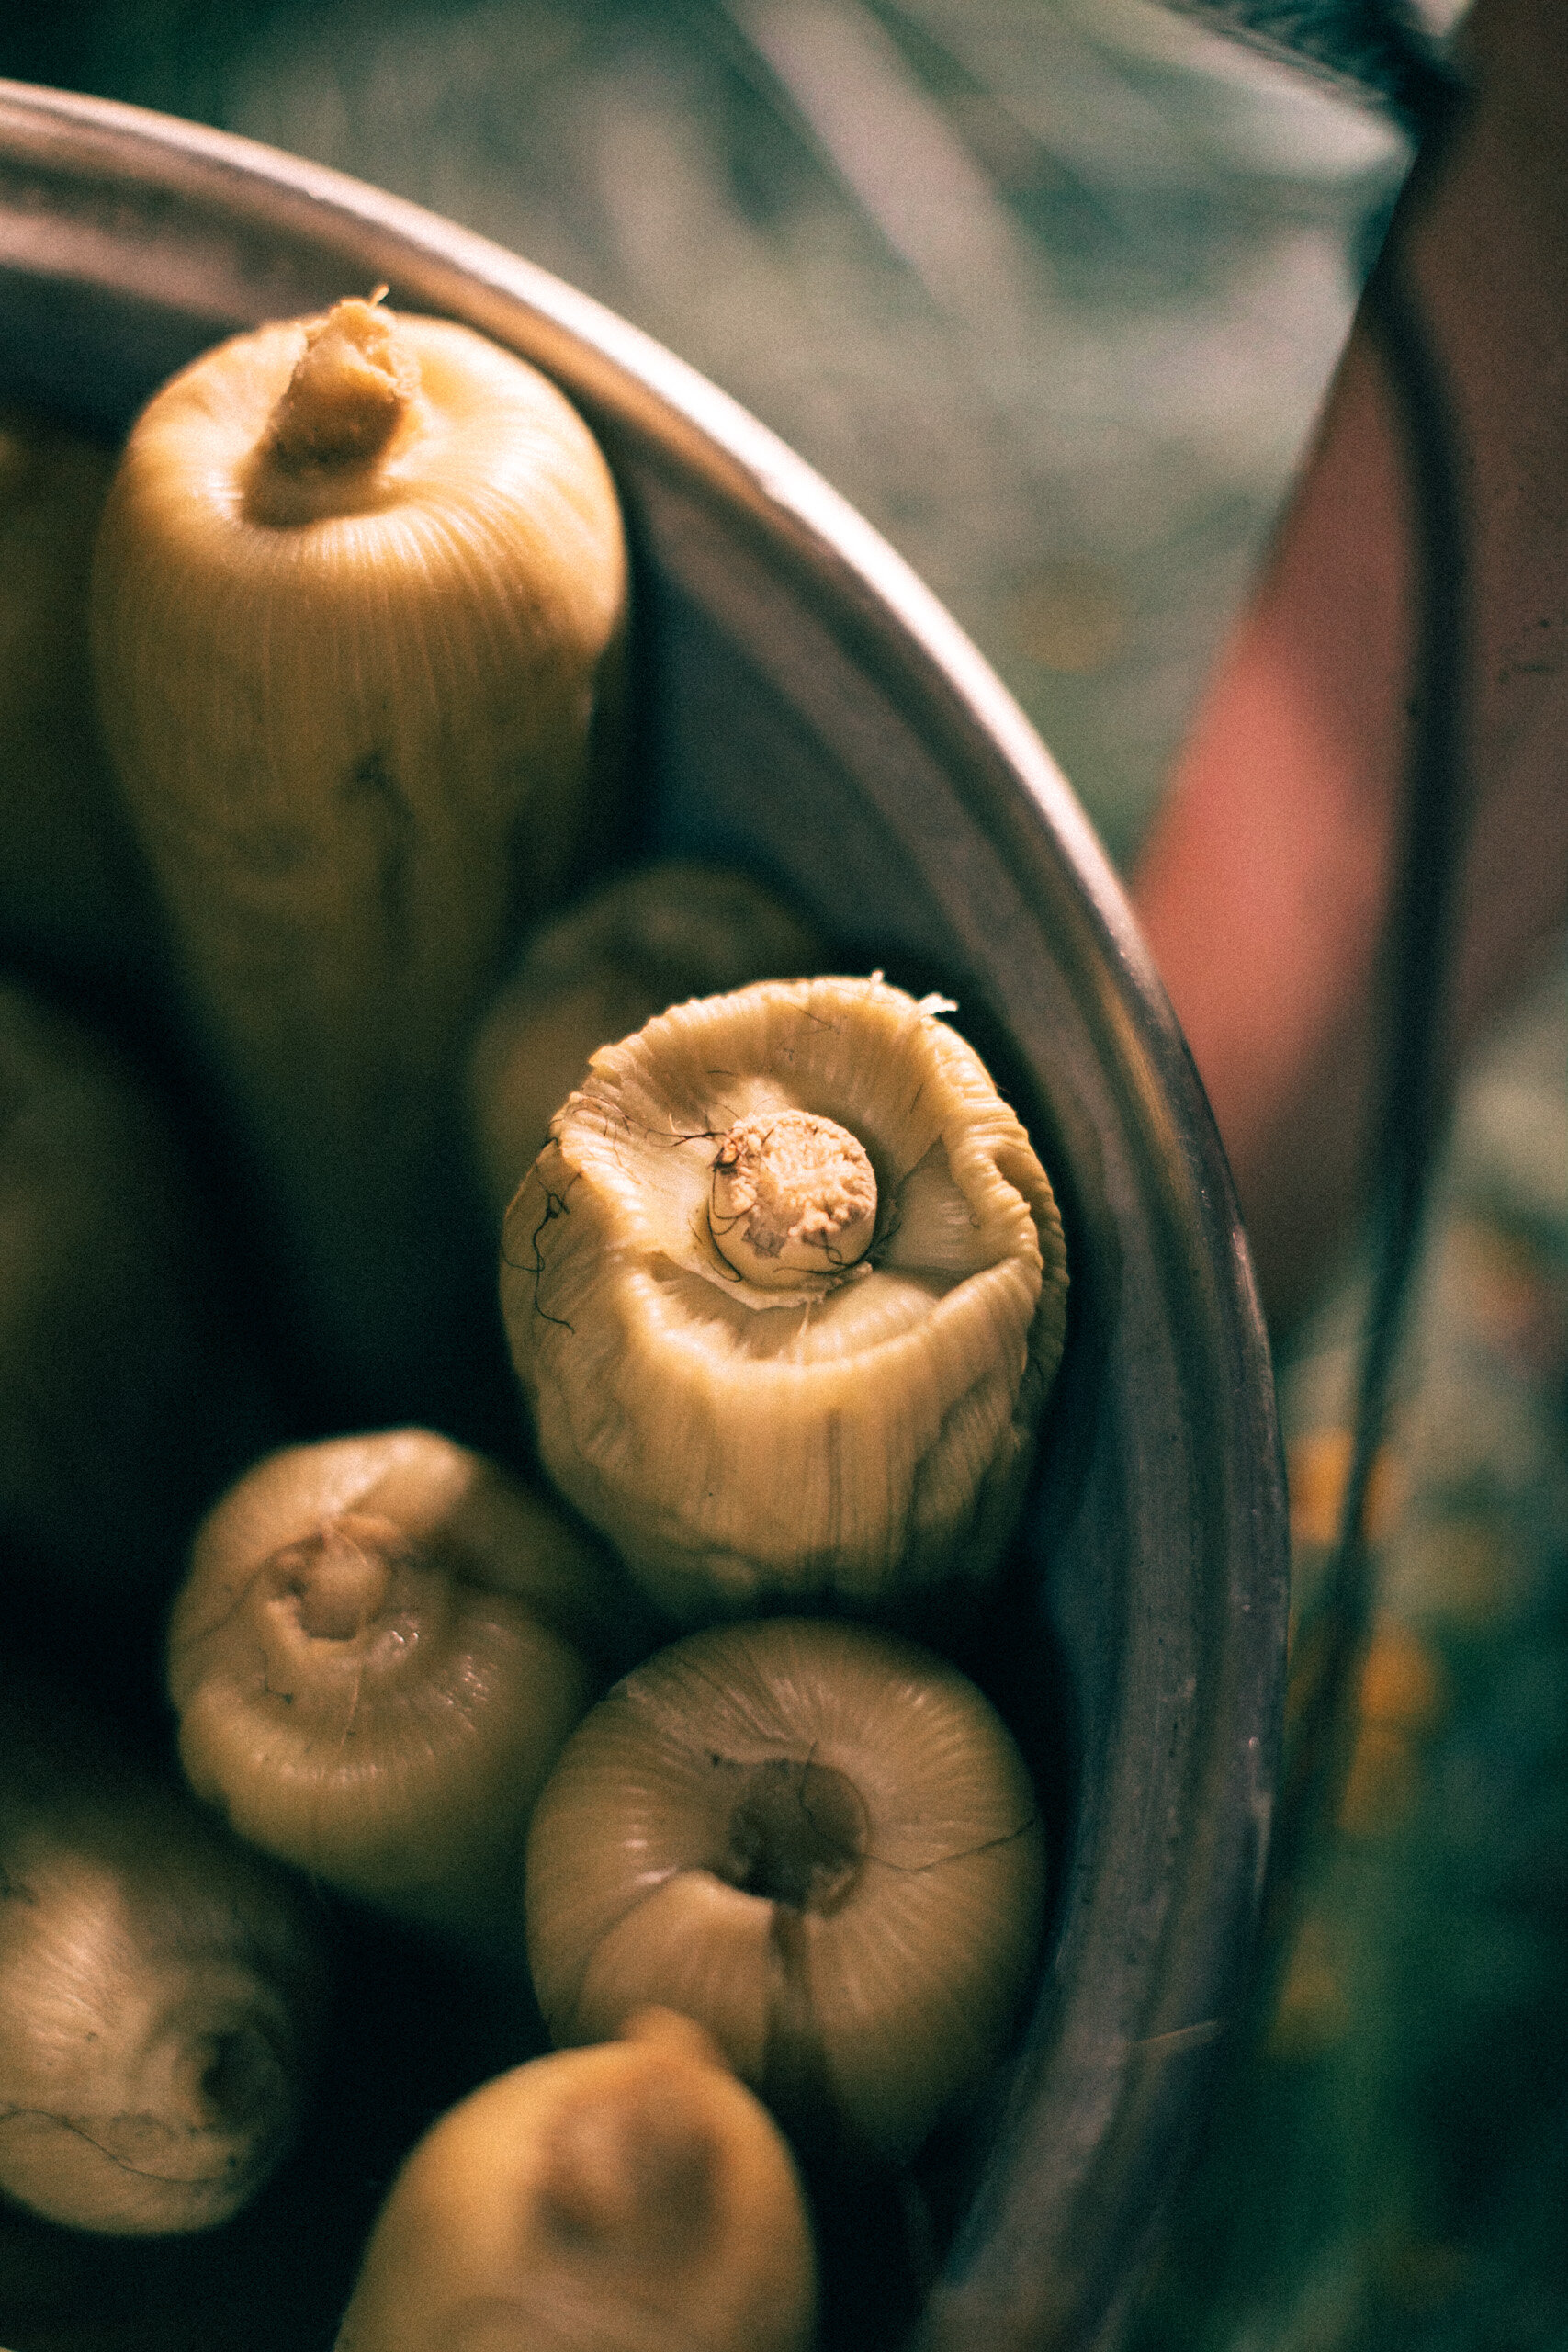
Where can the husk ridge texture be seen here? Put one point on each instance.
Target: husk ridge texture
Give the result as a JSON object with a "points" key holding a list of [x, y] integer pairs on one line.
{"points": [[851, 1437]]}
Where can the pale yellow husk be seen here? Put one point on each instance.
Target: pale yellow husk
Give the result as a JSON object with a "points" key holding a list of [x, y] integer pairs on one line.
{"points": [[161, 1991], [893, 2000], [865, 1436], [599, 968], [374, 1667], [634, 2198], [350, 710]]}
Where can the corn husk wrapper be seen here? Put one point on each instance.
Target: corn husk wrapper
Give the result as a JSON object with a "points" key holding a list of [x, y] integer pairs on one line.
{"points": [[633, 2197], [161, 1990], [865, 1434], [599, 968], [356, 709]]}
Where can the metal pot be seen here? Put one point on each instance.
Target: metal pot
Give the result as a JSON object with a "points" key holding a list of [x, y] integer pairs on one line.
{"points": [[813, 711]]}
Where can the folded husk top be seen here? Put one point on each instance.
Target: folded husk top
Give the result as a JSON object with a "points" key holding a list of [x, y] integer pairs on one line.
{"points": [[864, 1432]]}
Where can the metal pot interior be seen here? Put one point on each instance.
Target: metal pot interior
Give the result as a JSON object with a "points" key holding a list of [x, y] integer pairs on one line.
{"points": [[806, 708]]}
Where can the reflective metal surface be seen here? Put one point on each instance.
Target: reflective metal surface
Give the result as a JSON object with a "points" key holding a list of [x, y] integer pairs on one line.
{"points": [[811, 710]]}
